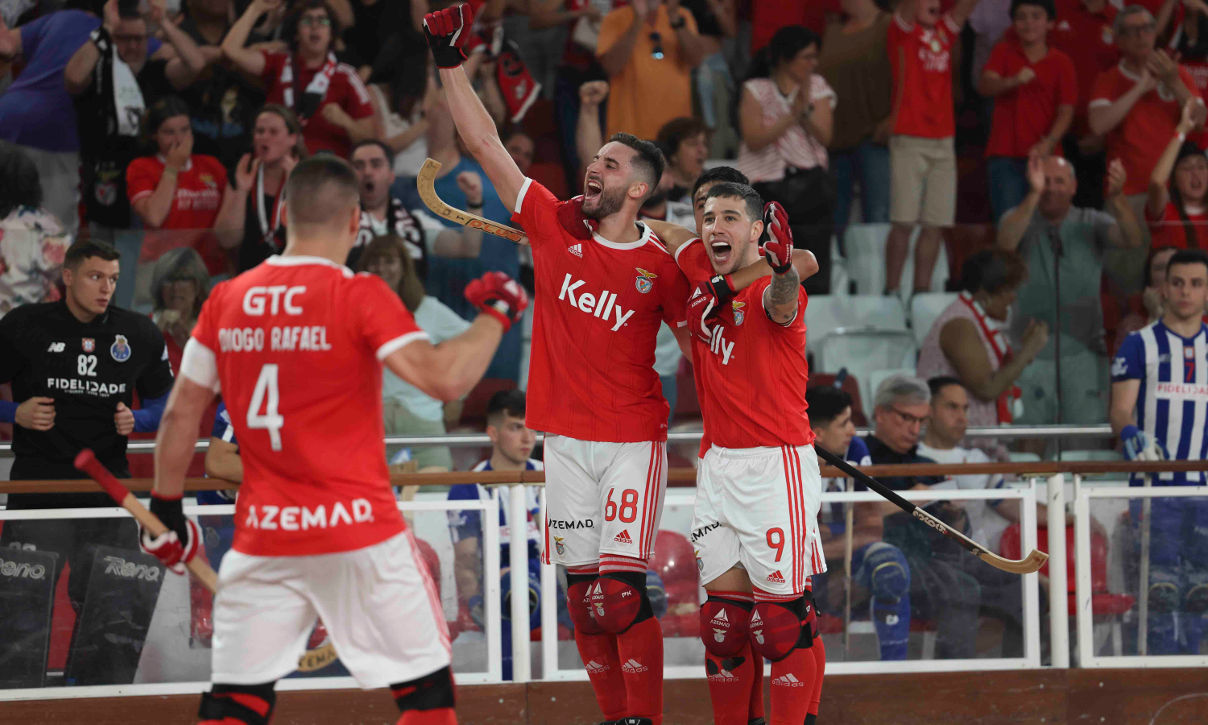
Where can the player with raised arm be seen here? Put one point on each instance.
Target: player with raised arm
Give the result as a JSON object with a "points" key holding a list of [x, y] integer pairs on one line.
{"points": [[1159, 408], [296, 346], [758, 489]]}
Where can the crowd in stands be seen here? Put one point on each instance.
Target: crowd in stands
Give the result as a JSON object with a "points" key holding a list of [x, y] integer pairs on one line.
{"points": [[1052, 151]]}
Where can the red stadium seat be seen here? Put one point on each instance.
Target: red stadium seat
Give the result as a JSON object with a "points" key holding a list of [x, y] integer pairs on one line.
{"points": [[1103, 602], [474, 407], [851, 387]]}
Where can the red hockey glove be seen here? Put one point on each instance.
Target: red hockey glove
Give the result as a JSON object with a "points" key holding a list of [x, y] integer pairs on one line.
{"points": [[499, 296], [778, 250], [447, 31], [178, 545]]}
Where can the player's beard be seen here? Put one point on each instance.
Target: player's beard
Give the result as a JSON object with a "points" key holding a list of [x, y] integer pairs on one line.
{"points": [[608, 203]]}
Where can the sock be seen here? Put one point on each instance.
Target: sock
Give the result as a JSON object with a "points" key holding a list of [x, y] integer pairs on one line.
{"points": [[603, 665], [730, 680], [641, 652], [819, 651], [755, 706], [439, 716], [891, 619], [792, 687]]}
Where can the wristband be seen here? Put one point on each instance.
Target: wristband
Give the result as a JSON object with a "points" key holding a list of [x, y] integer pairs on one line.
{"points": [[100, 38]]}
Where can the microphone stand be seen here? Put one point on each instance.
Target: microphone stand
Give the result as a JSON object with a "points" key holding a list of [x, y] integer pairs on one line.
{"points": [[1058, 252]]}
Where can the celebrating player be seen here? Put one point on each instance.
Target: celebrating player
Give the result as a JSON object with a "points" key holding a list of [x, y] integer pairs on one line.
{"points": [[1160, 375], [755, 524], [295, 345]]}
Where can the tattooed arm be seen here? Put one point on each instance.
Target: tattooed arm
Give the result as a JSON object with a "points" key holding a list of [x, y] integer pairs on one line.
{"points": [[780, 298]]}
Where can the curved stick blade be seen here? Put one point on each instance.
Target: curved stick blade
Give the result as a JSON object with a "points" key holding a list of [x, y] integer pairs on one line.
{"points": [[1027, 565]]}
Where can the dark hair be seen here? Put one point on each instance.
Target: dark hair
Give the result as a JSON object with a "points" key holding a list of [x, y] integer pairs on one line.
{"points": [[752, 199], [410, 287], [86, 248], [402, 66], [676, 131], [993, 270], [1153, 252], [649, 160], [19, 184], [719, 173], [515, 129], [289, 28], [1045, 5], [160, 111], [319, 188], [939, 382], [510, 402], [784, 46], [292, 125], [1188, 149], [825, 403], [182, 263], [1187, 256], [374, 142]]}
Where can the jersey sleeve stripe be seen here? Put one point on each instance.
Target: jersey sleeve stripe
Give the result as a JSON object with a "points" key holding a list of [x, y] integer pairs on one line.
{"points": [[199, 364], [520, 194], [141, 195], [684, 246], [400, 342]]}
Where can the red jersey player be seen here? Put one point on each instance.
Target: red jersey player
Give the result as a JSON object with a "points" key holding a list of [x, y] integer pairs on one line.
{"points": [[755, 525], [295, 346]]}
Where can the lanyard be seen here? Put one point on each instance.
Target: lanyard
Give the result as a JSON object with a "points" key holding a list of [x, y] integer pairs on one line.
{"points": [[268, 234], [1002, 351]]}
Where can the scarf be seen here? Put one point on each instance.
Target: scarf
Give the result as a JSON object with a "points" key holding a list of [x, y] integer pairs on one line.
{"points": [[1010, 403], [315, 92]]}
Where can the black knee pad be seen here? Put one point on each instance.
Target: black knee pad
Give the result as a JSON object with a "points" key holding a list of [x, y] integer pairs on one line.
{"points": [[778, 628], [430, 692], [619, 600], [250, 704], [578, 603]]}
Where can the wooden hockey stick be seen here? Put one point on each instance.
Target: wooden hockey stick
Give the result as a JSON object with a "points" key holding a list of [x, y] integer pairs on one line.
{"points": [[426, 183], [1030, 563], [87, 462]]}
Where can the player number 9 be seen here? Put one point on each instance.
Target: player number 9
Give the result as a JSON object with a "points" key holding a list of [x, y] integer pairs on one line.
{"points": [[775, 539], [628, 509]]}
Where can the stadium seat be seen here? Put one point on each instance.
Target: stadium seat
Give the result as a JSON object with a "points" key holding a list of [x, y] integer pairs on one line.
{"points": [[864, 351], [840, 284], [474, 406], [827, 313], [925, 307], [865, 261], [851, 386], [675, 561]]}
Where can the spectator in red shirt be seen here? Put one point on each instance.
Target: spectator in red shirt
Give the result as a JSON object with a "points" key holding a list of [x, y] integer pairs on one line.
{"points": [[327, 96], [1176, 210], [1136, 105], [1189, 43], [176, 189], [1035, 89], [922, 158], [1084, 33]]}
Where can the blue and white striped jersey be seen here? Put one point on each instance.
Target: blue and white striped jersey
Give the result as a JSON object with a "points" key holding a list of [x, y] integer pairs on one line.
{"points": [[465, 524], [1172, 404]]}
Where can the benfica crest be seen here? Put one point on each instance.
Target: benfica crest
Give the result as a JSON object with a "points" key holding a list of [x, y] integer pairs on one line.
{"points": [[643, 282]]}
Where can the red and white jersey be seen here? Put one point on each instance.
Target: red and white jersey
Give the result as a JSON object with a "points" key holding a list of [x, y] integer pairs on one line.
{"points": [[596, 313], [921, 59], [751, 376], [294, 347]]}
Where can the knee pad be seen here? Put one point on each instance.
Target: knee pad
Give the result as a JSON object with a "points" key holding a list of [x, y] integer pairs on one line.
{"points": [[778, 628], [249, 704], [430, 692], [578, 604], [890, 578], [619, 601], [1163, 597], [724, 625], [533, 592], [1196, 601]]}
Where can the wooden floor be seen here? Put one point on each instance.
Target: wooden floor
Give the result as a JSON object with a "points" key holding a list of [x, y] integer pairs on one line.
{"points": [[1116, 697]]}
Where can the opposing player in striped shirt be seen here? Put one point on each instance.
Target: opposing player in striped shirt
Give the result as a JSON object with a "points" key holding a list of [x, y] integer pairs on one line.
{"points": [[1161, 375]]}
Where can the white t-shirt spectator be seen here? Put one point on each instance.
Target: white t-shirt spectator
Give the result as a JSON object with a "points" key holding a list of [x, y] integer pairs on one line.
{"points": [[441, 323]]}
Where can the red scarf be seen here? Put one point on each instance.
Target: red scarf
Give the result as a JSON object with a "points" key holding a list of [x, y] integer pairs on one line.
{"points": [[1002, 351]]}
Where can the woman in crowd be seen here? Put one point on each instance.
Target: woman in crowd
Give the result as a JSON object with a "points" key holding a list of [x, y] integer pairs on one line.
{"points": [[407, 410], [328, 96], [175, 189], [32, 241], [855, 64], [969, 339], [687, 146], [400, 94], [276, 148], [785, 117], [179, 286], [1177, 210]]}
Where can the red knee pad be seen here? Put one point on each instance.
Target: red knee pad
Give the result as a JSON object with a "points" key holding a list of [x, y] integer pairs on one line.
{"points": [[615, 603], [724, 626], [776, 629], [578, 606]]}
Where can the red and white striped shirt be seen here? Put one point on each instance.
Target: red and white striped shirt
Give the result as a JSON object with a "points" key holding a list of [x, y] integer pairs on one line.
{"points": [[795, 148]]}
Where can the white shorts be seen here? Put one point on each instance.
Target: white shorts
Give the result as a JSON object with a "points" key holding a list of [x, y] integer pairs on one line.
{"points": [[758, 508], [378, 604], [602, 498]]}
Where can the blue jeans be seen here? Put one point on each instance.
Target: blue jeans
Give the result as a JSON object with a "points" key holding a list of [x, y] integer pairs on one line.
{"points": [[1008, 183], [867, 166]]}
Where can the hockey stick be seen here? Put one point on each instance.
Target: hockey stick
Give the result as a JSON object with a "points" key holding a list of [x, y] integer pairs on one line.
{"points": [[426, 183], [1030, 563], [87, 462]]}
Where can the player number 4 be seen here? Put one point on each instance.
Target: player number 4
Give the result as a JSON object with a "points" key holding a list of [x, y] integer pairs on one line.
{"points": [[266, 395]]}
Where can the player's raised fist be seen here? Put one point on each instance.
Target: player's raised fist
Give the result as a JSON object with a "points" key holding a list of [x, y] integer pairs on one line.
{"points": [[176, 546], [778, 249], [447, 31], [499, 296]]}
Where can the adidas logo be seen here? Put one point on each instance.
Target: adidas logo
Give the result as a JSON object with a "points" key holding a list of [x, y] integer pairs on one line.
{"points": [[722, 676], [787, 680], [775, 577], [623, 538], [595, 667], [631, 665], [576, 249]]}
